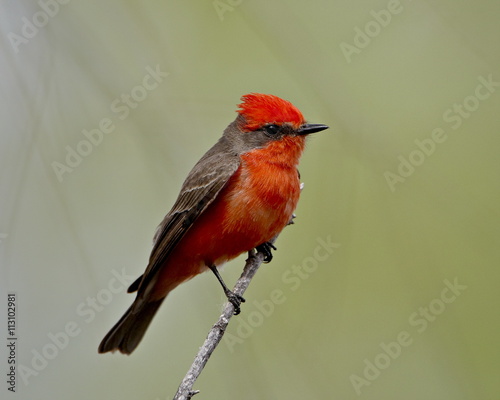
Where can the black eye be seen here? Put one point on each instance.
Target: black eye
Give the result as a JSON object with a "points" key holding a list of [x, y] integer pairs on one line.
{"points": [[272, 130]]}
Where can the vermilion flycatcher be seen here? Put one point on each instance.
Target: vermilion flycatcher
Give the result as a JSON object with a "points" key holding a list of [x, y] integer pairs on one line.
{"points": [[239, 196]]}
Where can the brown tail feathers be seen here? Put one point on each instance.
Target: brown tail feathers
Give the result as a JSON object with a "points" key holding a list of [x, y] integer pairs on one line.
{"points": [[129, 330]]}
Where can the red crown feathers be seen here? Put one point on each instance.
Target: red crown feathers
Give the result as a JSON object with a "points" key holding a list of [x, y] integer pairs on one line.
{"points": [[261, 109]]}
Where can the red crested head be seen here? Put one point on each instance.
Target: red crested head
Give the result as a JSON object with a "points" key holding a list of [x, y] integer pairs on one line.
{"points": [[261, 109]]}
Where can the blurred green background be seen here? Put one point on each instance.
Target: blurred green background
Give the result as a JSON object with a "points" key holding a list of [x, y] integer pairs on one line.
{"points": [[404, 187]]}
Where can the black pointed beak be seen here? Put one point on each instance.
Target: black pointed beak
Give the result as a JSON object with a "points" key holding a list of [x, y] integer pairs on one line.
{"points": [[306, 129]]}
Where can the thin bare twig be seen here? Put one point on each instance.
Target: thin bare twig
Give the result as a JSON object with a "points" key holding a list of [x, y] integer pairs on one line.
{"points": [[185, 391]]}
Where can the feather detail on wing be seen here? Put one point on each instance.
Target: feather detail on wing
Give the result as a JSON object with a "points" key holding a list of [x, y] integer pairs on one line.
{"points": [[201, 187]]}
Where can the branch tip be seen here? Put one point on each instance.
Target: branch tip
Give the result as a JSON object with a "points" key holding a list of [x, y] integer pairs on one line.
{"points": [[252, 264]]}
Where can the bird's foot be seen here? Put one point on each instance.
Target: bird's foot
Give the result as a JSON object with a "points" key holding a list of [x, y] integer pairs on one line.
{"points": [[235, 300], [265, 248]]}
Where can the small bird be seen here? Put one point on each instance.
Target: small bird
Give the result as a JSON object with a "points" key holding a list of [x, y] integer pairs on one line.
{"points": [[239, 196]]}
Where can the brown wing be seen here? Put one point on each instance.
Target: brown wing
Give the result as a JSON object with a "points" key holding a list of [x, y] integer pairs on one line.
{"points": [[200, 188]]}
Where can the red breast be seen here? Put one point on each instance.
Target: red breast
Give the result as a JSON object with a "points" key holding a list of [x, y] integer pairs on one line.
{"points": [[256, 204]]}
